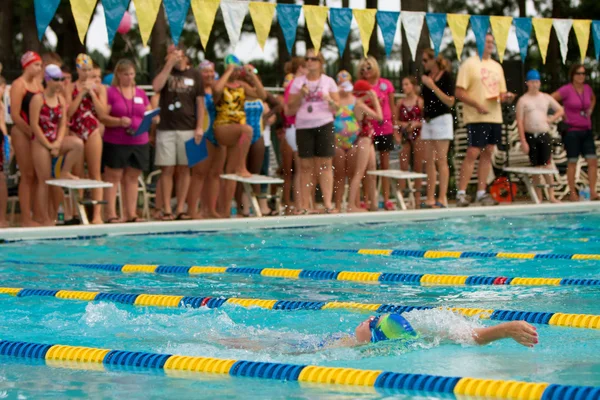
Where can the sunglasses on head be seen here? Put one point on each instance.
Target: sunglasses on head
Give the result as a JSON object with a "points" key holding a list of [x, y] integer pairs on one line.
{"points": [[312, 59], [58, 79]]}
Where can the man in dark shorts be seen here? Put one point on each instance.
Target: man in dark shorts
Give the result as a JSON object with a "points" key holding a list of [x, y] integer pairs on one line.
{"points": [[481, 87]]}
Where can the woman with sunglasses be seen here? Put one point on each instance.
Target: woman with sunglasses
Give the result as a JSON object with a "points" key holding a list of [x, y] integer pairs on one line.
{"points": [[21, 93], [49, 126], [88, 102], [384, 130], [314, 100], [579, 101], [438, 125]]}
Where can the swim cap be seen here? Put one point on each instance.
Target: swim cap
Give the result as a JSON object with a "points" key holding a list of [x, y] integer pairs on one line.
{"points": [[231, 59], [391, 327], [362, 86], [343, 76], [53, 72], [532, 75], [83, 60], [29, 58], [206, 64]]}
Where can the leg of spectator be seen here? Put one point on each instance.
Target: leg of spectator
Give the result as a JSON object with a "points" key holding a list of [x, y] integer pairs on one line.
{"points": [[339, 176], [593, 177], [307, 170], [441, 159], [418, 161], [287, 163], [130, 193], [198, 179], [166, 186], [22, 145], [3, 200], [324, 167], [467, 167], [571, 170], [384, 158], [183, 185], [217, 155], [114, 176], [93, 156], [361, 150], [485, 166], [42, 162]]}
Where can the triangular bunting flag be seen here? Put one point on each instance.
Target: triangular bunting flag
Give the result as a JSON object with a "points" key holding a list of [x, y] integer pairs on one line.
{"points": [[480, 25], [340, 20], [366, 23], [458, 24], [436, 23], [287, 16], [315, 22], [523, 28], [177, 11], [146, 12], [233, 16], [582, 33], [388, 23], [262, 18], [596, 35], [204, 13], [82, 14], [412, 22], [44, 12], [562, 27], [113, 14], [500, 30], [542, 28]]}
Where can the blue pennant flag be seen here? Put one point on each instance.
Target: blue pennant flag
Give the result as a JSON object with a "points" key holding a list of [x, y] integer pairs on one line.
{"points": [[523, 28], [480, 25], [113, 14], [596, 35], [288, 15], [436, 23], [44, 12], [388, 23], [177, 11], [341, 20]]}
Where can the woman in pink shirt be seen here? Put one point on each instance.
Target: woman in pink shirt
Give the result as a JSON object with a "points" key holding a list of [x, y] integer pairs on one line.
{"points": [[125, 154], [384, 130]]}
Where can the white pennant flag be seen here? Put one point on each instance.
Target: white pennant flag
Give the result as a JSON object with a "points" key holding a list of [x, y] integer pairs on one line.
{"points": [[562, 27], [412, 23], [234, 13]]}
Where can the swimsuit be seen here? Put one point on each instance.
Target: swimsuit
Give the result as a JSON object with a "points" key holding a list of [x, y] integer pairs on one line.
{"points": [[84, 122], [346, 127], [230, 109], [49, 120], [25, 105], [254, 112], [209, 118], [410, 114]]}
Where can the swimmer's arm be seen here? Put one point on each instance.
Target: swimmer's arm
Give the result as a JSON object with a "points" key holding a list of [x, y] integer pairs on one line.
{"points": [[241, 344], [519, 331]]}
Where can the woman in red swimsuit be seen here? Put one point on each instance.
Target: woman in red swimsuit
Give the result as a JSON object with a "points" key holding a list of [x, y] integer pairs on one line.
{"points": [[21, 93], [49, 126], [88, 103]]}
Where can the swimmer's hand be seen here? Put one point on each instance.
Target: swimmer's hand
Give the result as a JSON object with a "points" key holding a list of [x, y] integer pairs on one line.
{"points": [[520, 331]]}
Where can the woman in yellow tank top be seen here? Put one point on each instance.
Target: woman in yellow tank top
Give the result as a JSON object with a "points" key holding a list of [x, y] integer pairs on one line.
{"points": [[231, 129]]}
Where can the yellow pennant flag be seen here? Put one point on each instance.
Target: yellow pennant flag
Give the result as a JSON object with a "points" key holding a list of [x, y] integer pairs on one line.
{"points": [[458, 24], [204, 13], [582, 32], [500, 28], [146, 12], [316, 16], [82, 14], [262, 18], [542, 28], [366, 23]]}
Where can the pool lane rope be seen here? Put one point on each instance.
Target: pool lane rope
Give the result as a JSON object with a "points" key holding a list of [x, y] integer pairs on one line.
{"points": [[56, 355], [354, 276], [587, 321]]}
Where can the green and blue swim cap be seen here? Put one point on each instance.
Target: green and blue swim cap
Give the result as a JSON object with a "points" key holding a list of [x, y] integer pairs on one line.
{"points": [[391, 327]]}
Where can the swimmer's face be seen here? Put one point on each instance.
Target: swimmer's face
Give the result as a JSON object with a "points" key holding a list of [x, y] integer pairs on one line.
{"points": [[363, 332]]}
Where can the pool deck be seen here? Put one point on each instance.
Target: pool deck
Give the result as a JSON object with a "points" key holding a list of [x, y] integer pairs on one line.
{"points": [[159, 227]]}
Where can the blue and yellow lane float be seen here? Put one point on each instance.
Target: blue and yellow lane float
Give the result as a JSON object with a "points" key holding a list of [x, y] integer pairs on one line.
{"points": [[56, 355], [355, 276], [588, 321]]}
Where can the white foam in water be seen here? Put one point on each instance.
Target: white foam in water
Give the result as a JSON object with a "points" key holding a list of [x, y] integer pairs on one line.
{"points": [[442, 325]]}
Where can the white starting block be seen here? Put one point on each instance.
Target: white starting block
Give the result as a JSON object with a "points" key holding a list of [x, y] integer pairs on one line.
{"points": [[525, 174], [397, 175], [256, 180], [74, 186]]}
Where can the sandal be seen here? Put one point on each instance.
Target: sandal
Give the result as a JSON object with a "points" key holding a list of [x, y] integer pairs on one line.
{"points": [[389, 206], [331, 211], [166, 217], [183, 217], [113, 220], [135, 219]]}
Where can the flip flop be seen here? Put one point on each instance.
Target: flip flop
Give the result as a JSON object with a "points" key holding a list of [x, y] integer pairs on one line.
{"points": [[166, 217], [136, 219], [440, 205], [183, 217], [113, 220]]}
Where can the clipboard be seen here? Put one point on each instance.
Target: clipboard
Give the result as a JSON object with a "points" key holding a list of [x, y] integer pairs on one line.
{"points": [[147, 121], [196, 152]]}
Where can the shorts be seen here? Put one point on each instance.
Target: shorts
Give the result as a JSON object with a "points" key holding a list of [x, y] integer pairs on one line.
{"points": [[580, 143], [540, 148], [384, 143], [290, 138], [316, 142], [170, 148], [121, 156], [484, 134], [438, 128]]}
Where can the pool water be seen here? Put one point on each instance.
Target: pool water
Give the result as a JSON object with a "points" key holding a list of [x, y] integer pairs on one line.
{"points": [[564, 355]]}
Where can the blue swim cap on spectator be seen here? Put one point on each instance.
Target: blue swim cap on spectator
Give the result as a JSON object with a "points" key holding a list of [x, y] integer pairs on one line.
{"points": [[231, 59], [391, 327], [108, 79], [533, 75]]}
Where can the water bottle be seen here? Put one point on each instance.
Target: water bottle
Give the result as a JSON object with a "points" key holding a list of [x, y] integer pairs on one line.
{"points": [[584, 194], [61, 215], [233, 208]]}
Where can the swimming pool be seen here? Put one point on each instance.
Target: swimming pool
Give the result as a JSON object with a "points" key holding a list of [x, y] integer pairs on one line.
{"points": [[565, 355]]}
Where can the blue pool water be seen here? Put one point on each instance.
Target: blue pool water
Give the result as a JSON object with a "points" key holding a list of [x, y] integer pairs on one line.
{"points": [[564, 355]]}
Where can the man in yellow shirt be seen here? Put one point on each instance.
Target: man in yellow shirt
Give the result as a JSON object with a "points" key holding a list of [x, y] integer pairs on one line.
{"points": [[481, 86]]}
